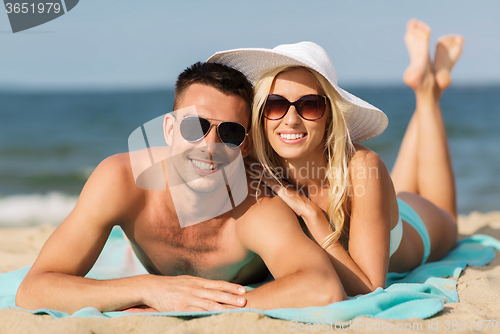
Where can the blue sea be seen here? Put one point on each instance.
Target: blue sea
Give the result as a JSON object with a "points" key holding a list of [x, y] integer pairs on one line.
{"points": [[50, 142]]}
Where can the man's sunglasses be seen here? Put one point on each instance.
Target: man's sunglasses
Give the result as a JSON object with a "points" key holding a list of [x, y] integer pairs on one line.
{"points": [[194, 128], [309, 107]]}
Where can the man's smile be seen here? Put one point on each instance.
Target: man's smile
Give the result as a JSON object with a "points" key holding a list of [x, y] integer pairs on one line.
{"points": [[205, 167]]}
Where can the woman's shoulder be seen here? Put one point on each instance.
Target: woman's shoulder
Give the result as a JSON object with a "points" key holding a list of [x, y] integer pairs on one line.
{"points": [[363, 156]]}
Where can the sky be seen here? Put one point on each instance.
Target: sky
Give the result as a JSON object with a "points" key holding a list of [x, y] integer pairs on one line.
{"points": [[125, 44]]}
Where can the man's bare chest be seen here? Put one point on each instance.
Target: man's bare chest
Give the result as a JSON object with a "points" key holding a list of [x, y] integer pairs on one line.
{"points": [[210, 249]]}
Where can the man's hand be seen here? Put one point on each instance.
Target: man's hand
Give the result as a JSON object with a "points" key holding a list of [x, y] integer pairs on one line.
{"points": [[188, 293]]}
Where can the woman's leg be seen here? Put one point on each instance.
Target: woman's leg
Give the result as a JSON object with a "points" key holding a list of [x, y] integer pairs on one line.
{"points": [[423, 165], [404, 174], [423, 174], [405, 171]]}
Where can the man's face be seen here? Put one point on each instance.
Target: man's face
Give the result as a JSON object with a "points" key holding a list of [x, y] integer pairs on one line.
{"points": [[197, 163]]}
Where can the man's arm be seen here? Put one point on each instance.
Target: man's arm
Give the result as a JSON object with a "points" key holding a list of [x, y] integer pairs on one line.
{"points": [[303, 274], [56, 279]]}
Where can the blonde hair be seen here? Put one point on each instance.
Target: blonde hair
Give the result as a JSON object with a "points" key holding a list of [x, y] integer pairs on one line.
{"points": [[338, 146]]}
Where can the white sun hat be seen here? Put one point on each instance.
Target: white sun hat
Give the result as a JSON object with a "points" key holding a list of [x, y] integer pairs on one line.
{"points": [[365, 120]]}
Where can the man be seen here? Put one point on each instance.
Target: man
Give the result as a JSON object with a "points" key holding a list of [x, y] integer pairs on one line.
{"points": [[190, 267]]}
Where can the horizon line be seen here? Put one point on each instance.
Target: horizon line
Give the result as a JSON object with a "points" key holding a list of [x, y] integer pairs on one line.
{"points": [[157, 87]]}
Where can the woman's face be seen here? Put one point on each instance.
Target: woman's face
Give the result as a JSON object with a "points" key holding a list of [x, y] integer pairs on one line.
{"points": [[293, 137]]}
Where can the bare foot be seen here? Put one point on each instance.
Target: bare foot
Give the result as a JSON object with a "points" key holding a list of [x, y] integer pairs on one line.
{"points": [[417, 42], [448, 50]]}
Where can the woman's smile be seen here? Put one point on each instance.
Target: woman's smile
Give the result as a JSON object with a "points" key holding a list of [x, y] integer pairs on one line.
{"points": [[292, 137]]}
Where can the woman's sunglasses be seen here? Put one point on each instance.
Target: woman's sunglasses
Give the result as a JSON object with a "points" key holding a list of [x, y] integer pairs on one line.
{"points": [[309, 107], [194, 128]]}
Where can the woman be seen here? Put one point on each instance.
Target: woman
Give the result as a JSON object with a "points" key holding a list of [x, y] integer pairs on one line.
{"points": [[304, 129]]}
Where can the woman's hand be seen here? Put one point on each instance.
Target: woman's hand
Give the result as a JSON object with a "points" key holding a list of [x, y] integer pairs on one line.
{"points": [[312, 214], [300, 204]]}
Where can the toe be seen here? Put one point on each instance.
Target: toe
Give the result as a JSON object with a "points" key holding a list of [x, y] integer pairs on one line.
{"points": [[412, 23]]}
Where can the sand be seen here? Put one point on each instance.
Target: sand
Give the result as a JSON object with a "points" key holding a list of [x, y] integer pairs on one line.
{"points": [[478, 290]]}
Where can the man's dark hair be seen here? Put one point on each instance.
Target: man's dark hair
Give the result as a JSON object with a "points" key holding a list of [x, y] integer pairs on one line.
{"points": [[221, 77]]}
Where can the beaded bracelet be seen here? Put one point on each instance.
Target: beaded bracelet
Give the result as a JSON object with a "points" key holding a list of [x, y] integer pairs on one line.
{"points": [[329, 240]]}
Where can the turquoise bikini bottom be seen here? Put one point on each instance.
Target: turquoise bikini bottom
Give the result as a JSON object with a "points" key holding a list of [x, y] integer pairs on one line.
{"points": [[409, 215]]}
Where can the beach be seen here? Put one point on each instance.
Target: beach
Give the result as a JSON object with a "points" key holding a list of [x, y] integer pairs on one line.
{"points": [[86, 85], [478, 309], [45, 163]]}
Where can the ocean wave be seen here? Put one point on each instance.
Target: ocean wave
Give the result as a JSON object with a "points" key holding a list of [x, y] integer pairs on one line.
{"points": [[35, 209], [26, 180]]}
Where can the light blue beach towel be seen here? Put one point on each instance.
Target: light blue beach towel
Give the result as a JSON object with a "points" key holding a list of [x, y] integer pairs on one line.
{"points": [[421, 293]]}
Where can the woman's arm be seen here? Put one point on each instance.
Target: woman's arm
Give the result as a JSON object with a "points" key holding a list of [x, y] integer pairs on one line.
{"points": [[373, 206]]}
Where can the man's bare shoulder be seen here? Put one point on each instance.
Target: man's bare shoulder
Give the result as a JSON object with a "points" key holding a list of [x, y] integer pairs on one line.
{"points": [[111, 191], [114, 172], [263, 210], [264, 224], [269, 208], [261, 200]]}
